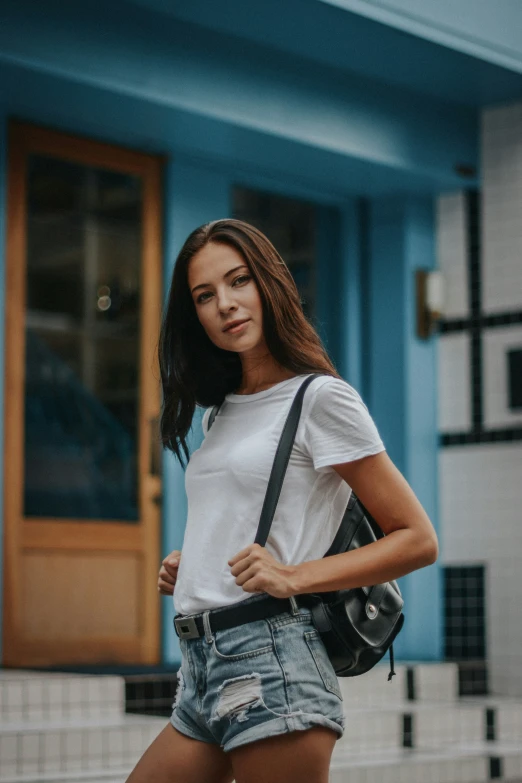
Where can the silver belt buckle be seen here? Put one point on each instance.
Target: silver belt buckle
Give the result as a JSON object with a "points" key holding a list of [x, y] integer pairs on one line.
{"points": [[186, 628]]}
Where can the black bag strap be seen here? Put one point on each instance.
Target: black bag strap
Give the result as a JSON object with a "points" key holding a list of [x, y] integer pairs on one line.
{"points": [[280, 464], [213, 414], [281, 459]]}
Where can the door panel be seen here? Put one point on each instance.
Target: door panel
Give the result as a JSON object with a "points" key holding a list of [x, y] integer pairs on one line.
{"points": [[82, 402]]}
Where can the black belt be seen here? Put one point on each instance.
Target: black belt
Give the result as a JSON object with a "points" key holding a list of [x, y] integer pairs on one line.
{"points": [[191, 626]]}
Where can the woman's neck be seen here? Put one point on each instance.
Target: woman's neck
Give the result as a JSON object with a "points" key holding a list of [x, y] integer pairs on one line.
{"points": [[254, 385]]}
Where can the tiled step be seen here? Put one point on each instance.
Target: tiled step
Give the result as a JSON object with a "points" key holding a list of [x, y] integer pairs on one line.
{"points": [[33, 696], [415, 681], [431, 724], [32, 749], [411, 725], [471, 763]]}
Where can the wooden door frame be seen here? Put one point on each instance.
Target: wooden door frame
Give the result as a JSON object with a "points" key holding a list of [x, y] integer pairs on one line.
{"points": [[19, 533]]}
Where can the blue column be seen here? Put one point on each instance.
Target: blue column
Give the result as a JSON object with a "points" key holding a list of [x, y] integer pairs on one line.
{"points": [[339, 288], [402, 391], [194, 195]]}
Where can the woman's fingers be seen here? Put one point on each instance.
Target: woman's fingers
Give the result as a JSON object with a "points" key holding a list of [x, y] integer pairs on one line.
{"points": [[164, 588], [168, 575], [171, 570], [173, 558]]}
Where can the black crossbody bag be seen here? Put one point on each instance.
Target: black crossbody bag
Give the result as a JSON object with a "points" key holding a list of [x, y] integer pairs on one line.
{"points": [[358, 626]]}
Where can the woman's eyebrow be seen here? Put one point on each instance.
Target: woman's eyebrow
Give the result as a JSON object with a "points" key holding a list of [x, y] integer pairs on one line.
{"points": [[202, 285]]}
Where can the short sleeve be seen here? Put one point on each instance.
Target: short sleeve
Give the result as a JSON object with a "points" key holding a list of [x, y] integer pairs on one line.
{"points": [[338, 427]]}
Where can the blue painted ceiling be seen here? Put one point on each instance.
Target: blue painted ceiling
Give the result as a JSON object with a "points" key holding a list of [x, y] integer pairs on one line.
{"points": [[172, 86], [333, 36]]}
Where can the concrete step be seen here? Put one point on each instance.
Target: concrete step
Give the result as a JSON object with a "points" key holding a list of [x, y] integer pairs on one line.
{"points": [[74, 745], [116, 775], [33, 749], [30, 695], [469, 763], [474, 764]]}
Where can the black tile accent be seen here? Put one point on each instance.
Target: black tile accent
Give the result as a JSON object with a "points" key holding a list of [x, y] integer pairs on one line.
{"points": [[495, 768], [507, 435], [491, 721], [514, 360], [475, 306], [453, 325], [464, 613], [410, 683], [473, 678], [150, 694], [450, 326], [502, 319], [407, 730]]}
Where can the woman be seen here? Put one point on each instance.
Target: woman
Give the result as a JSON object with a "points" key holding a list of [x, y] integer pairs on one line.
{"points": [[257, 698]]}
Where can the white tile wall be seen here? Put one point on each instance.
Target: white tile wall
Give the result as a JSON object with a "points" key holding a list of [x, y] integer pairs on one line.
{"points": [[452, 253], [480, 485], [502, 208], [481, 522], [496, 343], [454, 382]]}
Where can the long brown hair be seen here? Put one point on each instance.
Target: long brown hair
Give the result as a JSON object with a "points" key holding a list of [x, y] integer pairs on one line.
{"points": [[194, 371]]}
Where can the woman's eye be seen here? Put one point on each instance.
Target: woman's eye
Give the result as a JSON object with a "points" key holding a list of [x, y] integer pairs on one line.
{"points": [[238, 279]]}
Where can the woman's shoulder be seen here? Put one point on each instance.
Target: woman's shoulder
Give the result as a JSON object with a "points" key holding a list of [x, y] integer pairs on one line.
{"points": [[328, 389]]}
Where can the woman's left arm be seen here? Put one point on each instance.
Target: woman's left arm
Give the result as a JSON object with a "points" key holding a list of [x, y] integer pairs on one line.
{"points": [[410, 542]]}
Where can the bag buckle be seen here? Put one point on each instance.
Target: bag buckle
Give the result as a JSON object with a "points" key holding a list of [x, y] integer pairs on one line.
{"points": [[186, 627]]}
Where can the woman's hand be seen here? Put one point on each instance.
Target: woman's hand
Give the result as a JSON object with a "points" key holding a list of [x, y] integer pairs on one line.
{"points": [[256, 571], [168, 573]]}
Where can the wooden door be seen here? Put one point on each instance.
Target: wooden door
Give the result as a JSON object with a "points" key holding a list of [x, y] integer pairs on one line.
{"points": [[82, 395]]}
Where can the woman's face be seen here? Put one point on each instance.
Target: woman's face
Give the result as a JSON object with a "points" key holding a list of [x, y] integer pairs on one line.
{"points": [[223, 290]]}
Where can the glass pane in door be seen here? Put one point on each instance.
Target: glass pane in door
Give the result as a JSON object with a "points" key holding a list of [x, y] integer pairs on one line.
{"points": [[82, 328]]}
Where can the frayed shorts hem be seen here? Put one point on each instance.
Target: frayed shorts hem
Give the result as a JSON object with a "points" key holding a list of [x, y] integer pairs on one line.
{"points": [[272, 728]]}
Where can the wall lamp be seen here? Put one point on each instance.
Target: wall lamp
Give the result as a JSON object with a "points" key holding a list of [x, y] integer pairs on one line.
{"points": [[429, 297]]}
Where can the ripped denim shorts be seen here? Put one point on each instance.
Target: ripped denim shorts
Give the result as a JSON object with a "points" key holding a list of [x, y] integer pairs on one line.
{"points": [[256, 680]]}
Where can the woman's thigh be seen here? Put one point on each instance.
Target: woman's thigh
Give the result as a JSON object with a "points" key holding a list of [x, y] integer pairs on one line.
{"points": [[175, 758], [299, 756]]}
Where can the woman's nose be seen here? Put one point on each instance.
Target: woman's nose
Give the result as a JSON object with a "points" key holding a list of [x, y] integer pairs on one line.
{"points": [[225, 302]]}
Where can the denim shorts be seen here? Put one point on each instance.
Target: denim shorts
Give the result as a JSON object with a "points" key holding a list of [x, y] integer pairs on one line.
{"points": [[256, 680]]}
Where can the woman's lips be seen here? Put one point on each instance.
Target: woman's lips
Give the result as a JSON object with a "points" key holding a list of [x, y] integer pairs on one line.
{"points": [[238, 328]]}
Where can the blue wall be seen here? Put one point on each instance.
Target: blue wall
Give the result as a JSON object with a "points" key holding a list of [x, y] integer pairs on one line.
{"points": [[402, 391], [224, 113]]}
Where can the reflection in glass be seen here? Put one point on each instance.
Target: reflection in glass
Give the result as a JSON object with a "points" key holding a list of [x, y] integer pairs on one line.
{"points": [[82, 341]]}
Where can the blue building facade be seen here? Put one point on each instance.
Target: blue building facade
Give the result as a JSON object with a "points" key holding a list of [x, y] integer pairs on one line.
{"points": [[367, 111]]}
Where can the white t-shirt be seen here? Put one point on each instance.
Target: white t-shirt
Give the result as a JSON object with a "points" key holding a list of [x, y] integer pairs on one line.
{"points": [[227, 477]]}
